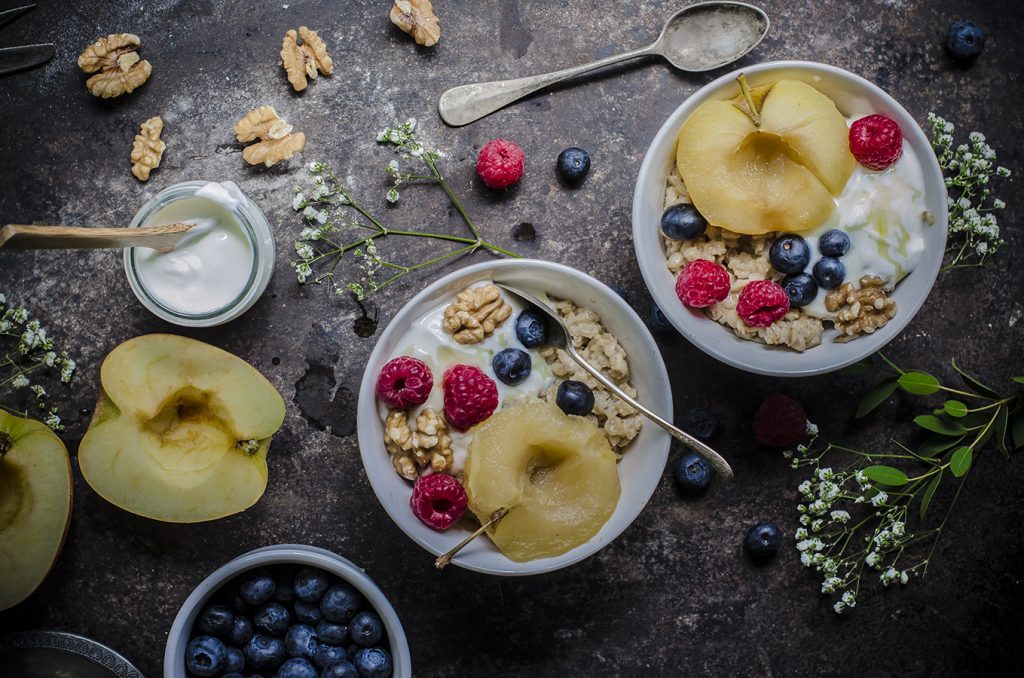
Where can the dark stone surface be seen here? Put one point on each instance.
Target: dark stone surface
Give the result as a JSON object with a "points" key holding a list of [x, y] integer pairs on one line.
{"points": [[674, 594]]}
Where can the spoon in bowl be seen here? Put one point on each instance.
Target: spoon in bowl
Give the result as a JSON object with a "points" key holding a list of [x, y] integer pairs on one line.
{"points": [[559, 337], [697, 38]]}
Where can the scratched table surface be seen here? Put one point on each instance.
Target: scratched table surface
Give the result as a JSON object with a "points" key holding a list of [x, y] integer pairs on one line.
{"points": [[675, 594]]}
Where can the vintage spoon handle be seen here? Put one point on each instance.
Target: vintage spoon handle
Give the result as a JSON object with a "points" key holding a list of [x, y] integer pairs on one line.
{"points": [[716, 460], [462, 105], [24, 237]]}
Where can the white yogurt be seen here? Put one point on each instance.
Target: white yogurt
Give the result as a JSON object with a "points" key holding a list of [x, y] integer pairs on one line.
{"points": [[426, 340], [212, 265]]}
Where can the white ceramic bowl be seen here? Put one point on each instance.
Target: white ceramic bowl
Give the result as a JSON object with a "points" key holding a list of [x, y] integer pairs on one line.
{"points": [[640, 469], [853, 95], [284, 554]]}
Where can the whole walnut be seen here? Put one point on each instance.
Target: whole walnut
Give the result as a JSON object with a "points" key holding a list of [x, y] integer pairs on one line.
{"points": [[115, 63], [417, 18]]}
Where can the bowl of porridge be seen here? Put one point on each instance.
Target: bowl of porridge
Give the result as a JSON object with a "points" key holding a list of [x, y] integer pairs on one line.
{"points": [[793, 224], [464, 411]]}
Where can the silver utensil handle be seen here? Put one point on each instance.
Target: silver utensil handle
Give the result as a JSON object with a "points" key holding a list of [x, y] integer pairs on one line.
{"points": [[716, 460], [462, 105]]}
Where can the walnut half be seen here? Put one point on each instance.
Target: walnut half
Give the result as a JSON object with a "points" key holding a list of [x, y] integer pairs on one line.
{"points": [[148, 148], [417, 18], [860, 311], [305, 60], [429, 445], [276, 141], [475, 314], [114, 61]]}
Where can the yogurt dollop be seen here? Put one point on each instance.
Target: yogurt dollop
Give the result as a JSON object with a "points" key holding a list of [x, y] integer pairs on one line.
{"points": [[212, 265]]}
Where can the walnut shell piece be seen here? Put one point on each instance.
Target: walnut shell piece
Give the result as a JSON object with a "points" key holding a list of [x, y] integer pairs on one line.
{"points": [[115, 64], [148, 148], [276, 142], [475, 314], [860, 311], [417, 18], [303, 62]]}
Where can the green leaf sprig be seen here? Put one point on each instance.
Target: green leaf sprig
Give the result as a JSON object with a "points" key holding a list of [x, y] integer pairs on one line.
{"points": [[869, 514], [337, 225]]}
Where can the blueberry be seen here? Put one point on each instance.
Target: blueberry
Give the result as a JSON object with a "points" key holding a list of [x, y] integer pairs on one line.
{"points": [[829, 272], [531, 329], [297, 668], [310, 584], [264, 653], [307, 613], [366, 629], [215, 620], [619, 290], [763, 541], [574, 397], [340, 602], [329, 654], [511, 366], [235, 660], [373, 662], [700, 422], [205, 656], [965, 40], [659, 323], [789, 254], [331, 633], [833, 243], [342, 669], [239, 605], [234, 674], [240, 631], [683, 222], [284, 592], [256, 587], [692, 472], [573, 165], [301, 641], [800, 288], [272, 618]]}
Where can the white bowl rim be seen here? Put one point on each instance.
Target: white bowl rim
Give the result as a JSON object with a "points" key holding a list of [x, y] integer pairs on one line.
{"points": [[660, 402], [278, 554], [926, 271]]}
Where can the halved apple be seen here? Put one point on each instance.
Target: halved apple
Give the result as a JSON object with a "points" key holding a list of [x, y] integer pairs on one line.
{"points": [[555, 473], [35, 505], [779, 176], [181, 430]]}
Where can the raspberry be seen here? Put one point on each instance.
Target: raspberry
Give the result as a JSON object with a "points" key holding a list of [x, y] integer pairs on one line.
{"points": [[438, 500], [500, 163], [876, 141], [761, 303], [780, 421], [470, 396], [404, 382], [702, 283]]}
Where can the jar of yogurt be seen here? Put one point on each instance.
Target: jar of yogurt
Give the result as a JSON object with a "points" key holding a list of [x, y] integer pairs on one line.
{"points": [[218, 269]]}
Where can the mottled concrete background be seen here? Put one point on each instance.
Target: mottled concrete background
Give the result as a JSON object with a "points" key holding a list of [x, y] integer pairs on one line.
{"points": [[674, 595]]}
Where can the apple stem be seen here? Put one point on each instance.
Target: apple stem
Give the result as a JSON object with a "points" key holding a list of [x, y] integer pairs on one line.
{"points": [[745, 88], [443, 561]]}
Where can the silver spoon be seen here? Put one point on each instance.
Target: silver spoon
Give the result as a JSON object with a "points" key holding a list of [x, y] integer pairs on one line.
{"points": [[558, 337], [697, 38]]}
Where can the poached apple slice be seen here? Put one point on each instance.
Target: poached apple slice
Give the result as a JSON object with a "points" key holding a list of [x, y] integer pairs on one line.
{"points": [[181, 430], [555, 473], [35, 505], [780, 176]]}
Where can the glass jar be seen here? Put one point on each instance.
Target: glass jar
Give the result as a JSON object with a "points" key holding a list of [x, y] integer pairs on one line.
{"points": [[254, 227]]}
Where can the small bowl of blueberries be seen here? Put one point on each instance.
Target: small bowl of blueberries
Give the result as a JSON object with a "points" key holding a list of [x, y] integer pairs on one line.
{"points": [[289, 611]]}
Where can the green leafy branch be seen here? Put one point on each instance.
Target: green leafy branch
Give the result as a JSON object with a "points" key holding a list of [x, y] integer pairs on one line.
{"points": [[333, 231]]}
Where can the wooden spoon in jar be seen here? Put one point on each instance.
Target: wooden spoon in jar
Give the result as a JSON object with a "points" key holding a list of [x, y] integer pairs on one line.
{"points": [[24, 237]]}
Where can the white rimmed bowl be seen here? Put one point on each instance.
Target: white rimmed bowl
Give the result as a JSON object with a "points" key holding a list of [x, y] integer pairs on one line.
{"points": [[640, 469], [853, 95], [284, 554]]}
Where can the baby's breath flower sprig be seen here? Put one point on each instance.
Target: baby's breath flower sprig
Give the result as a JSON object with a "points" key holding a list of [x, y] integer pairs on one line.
{"points": [[28, 353], [331, 230], [862, 515], [968, 170]]}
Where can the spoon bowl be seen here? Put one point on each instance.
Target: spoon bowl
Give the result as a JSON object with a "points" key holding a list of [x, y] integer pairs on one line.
{"points": [[709, 35]]}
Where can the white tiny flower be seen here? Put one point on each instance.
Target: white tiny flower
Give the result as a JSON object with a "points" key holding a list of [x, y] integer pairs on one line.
{"points": [[976, 137], [805, 559], [392, 196], [872, 558], [801, 533], [898, 528], [804, 488], [812, 428], [903, 577], [839, 607], [850, 598], [879, 499], [998, 204], [20, 381], [840, 516], [1002, 171], [805, 520]]}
